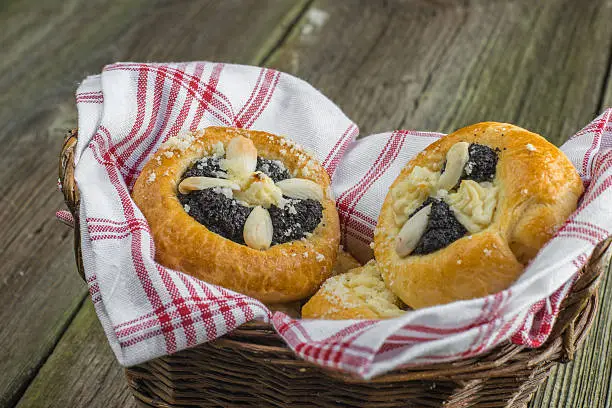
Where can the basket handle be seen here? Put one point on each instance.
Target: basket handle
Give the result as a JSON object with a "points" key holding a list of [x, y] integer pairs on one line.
{"points": [[70, 191]]}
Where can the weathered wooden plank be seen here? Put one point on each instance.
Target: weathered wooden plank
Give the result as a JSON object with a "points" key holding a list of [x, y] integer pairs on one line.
{"points": [[587, 381], [47, 47], [439, 65], [81, 372]]}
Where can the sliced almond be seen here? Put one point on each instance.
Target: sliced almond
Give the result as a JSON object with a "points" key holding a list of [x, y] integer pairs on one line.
{"points": [[412, 231], [240, 156], [301, 189], [202, 183], [257, 231], [456, 159]]}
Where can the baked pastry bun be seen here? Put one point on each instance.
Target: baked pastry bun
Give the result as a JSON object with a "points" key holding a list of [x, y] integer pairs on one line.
{"points": [[466, 215], [357, 294], [243, 209]]}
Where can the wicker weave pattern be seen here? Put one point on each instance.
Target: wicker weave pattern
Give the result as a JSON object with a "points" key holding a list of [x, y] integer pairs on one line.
{"points": [[252, 365]]}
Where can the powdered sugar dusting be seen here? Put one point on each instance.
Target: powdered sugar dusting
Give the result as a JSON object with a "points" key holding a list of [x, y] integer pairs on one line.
{"points": [[181, 141]]}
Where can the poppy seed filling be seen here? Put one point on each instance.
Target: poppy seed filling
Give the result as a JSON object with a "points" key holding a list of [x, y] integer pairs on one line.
{"points": [[481, 163], [442, 227], [226, 216]]}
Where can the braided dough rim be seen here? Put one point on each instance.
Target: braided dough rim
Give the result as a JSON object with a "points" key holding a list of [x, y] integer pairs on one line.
{"points": [[538, 190], [282, 273]]}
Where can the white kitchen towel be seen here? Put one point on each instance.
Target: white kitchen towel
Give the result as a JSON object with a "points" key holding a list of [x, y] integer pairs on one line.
{"points": [[147, 310]]}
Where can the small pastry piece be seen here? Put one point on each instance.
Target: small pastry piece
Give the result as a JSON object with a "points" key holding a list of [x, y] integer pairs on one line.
{"points": [[344, 262], [466, 215], [357, 294], [243, 209]]}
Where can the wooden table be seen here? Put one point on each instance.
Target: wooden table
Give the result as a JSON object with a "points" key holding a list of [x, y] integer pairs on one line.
{"points": [[433, 65]]}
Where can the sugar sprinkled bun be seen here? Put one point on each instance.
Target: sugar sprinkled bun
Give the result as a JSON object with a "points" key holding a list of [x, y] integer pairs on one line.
{"points": [[357, 294], [272, 273]]}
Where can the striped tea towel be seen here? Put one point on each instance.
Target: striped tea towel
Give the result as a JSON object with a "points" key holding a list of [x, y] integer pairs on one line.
{"points": [[147, 310]]}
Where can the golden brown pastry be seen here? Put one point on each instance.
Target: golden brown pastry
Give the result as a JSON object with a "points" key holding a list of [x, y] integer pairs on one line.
{"points": [[357, 294], [466, 215], [243, 209]]}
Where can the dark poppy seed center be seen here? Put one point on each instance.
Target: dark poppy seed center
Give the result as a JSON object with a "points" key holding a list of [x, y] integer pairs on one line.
{"points": [[218, 213], [481, 164], [295, 220], [226, 216], [442, 228], [273, 169]]}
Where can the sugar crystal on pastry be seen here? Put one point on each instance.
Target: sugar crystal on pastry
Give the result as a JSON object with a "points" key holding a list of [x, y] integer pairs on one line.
{"points": [[359, 293]]}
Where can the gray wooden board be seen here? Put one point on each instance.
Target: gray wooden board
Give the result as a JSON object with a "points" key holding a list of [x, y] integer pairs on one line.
{"points": [[439, 65], [47, 47], [81, 372]]}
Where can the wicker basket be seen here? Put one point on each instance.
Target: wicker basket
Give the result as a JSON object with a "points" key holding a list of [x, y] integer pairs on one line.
{"points": [[253, 366]]}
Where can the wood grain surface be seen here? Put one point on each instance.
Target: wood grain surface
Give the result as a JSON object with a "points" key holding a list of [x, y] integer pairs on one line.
{"points": [[77, 374], [419, 64]]}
